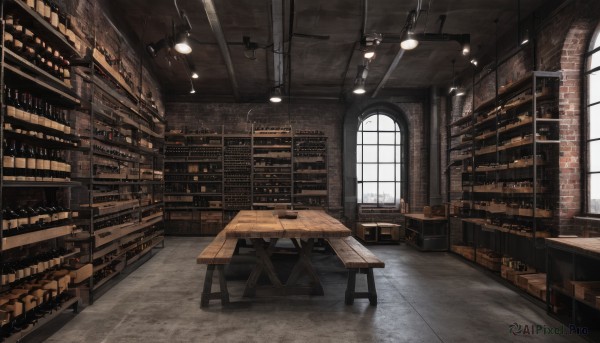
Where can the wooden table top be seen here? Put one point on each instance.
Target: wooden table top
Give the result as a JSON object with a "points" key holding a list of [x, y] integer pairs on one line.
{"points": [[584, 246], [421, 216], [266, 224]]}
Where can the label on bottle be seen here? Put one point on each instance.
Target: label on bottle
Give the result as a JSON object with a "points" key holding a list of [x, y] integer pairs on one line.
{"points": [[39, 164], [44, 121], [11, 277], [47, 11], [8, 161], [54, 166], [4, 279], [6, 224], [54, 19], [11, 111], [20, 273], [39, 7], [45, 218], [22, 221], [34, 119], [62, 28], [53, 125], [40, 267], [33, 268], [47, 165], [63, 215], [8, 37], [27, 116], [20, 162], [34, 219], [18, 44], [31, 3], [54, 216], [31, 163], [26, 271], [57, 261], [45, 265]]}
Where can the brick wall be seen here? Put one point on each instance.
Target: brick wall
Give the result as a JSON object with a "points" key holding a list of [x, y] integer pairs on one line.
{"points": [[560, 45], [238, 118]]}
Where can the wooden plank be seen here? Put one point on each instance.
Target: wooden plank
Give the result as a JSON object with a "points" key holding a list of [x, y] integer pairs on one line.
{"points": [[346, 254], [226, 253], [365, 253], [36, 236]]}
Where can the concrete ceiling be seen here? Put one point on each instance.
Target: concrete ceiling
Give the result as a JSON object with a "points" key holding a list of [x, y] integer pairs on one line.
{"points": [[320, 68]]}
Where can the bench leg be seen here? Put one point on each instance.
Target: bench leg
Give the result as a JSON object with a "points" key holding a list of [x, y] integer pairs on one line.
{"points": [[351, 286], [207, 293], [371, 287], [207, 285]]}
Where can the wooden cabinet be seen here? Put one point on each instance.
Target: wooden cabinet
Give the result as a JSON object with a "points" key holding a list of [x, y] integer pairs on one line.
{"points": [[426, 233]]}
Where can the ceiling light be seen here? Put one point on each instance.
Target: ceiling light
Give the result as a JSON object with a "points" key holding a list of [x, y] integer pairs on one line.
{"points": [[369, 54], [368, 44], [525, 37], [153, 48], [359, 86], [408, 41], [194, 74], [466, 48], [460, 91], [275, 96], [182, 45], [474, 62]]}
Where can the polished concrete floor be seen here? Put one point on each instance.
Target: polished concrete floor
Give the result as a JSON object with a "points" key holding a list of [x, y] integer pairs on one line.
{"points": [[423, 297]]}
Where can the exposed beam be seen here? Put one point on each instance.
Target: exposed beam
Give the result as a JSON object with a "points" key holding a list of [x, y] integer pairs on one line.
{"points": [[389, 72], [215, 25]]}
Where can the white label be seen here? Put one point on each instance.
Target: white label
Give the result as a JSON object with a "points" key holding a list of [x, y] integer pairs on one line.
{"points": [[35, 119], [39, 7], [46, 165], [63, 215], [8, 161], [54, 165], [62, 28], [11, 277], [27, 271], [20, 274], [5, 224], [39, 164], [54, 19], [20, 163], [31, 3], [47, 11], [31, 162], [11, 111]]}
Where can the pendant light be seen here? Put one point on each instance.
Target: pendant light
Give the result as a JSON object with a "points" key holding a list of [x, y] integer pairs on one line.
{"points": [[182, 45], [275, 96]]}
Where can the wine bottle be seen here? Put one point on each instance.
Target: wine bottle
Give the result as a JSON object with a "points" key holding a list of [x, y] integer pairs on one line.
{"points": [[47, 166], [21, 163], [30, 163], [32, 108], [54, 14], [8, 161], [23, 100], [31, 3], [39, 164], [17, 105]]}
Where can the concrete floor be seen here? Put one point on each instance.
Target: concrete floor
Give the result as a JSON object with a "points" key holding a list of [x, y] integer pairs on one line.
{"points": [[423, 297]]}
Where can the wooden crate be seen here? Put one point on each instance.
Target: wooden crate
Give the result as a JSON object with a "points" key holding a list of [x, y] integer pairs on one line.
{"points": [[465, 251], [367, 231], [524, 280], [580, 288]]}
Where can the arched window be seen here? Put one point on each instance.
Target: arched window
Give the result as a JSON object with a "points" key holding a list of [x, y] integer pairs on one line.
{"points": [[593, 125], [381, 167]]}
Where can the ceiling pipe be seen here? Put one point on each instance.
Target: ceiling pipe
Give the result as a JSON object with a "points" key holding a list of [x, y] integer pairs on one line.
{"points": [[277, 31], [215, 25]]}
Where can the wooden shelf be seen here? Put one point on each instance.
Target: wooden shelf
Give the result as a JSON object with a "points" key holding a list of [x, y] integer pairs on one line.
{"points": [[101, 62], [61, 96], [35, 237], [41, 184], [119, 231], [145, 251]]}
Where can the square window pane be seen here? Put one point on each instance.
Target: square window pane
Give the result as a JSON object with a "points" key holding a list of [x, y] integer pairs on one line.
{"points": [[594, 156], [359, 150], [370, 124], [369, 172], [594, 60], [398, 138], [398, 194], [387, 193], [386, 172], [398, 177], [359, 138], [369, 192], [398, 153], [386, 123], [369, 137], [359, 193], [594, 193], [369, 153], [386, 138], [359, 169], [594, 122], [386, 153], [593, 87]]}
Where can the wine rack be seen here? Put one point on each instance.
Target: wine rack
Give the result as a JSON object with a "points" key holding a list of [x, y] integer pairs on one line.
{"points": [[121, 166], [38, 216], [209, 176], [194, 182], [507, 151]]}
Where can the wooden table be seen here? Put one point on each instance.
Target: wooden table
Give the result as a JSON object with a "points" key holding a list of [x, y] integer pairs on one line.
{"points": [[431, 232], [264, 229]]}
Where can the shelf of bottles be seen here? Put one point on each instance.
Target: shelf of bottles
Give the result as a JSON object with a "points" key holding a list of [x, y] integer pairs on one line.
{"points": [[511, 178], [272, 180], [237, 165], [36, 178], [121, 165], [310, 170]]}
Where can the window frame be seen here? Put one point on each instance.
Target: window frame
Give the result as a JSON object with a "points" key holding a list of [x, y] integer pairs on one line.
{"points": [[402, 164], [594, 50]]}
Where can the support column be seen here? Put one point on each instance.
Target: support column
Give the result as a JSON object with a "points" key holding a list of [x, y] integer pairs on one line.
{"points": [[435, 197]]}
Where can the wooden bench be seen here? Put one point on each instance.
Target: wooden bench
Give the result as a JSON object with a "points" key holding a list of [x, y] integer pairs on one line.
{"points": [[357, 259], [216, 255]]}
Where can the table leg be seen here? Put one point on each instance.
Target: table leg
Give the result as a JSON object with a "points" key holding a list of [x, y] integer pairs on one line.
{"points": [[304, 264], [263, 263]]}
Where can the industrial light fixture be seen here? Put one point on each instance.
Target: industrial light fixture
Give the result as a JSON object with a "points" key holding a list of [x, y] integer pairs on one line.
{"points": [[369, 43], [525, 37], [460, 91], [275, 95], [466, 48], [153, 48], [474, 62], [192, 90], [453, 88], [182, 45], [359, 86], [194, 73], [408, 41]]}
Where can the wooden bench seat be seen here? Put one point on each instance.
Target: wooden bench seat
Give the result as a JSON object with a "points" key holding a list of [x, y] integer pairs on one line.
{"points": [[357, 259], [216, 255]]}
